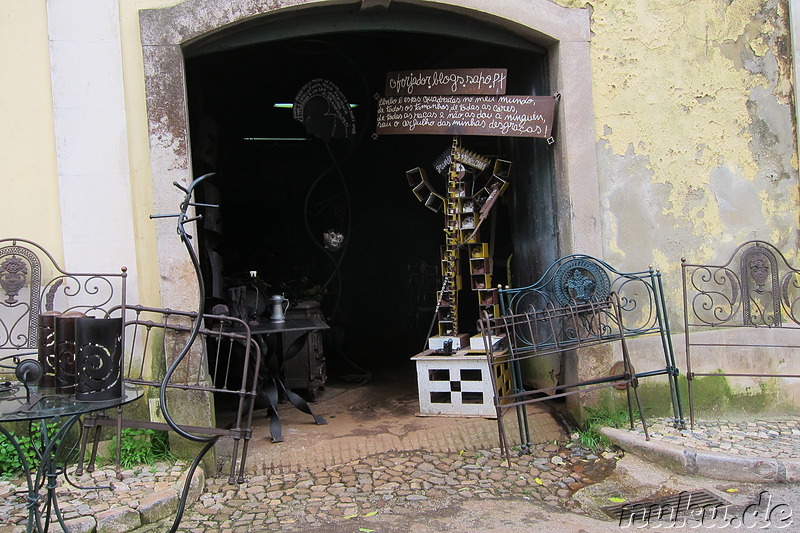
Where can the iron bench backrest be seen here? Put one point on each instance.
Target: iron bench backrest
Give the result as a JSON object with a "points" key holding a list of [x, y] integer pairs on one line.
{"points": [[32, 283]]}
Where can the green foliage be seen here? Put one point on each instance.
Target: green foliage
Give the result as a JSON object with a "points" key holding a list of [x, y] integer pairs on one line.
{"points": [[9, 460], [141, 447], [10, 463], [602, 416], [598, 417], [590, 439]]}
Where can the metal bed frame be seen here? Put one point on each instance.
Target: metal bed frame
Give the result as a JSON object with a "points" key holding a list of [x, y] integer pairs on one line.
{"points": [[555, 330], [756, 291], [577, 278]]}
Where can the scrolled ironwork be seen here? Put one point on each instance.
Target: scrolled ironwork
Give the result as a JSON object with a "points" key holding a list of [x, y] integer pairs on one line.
{"points": [[578, 279], [638, 301], [755, 288], [639, 292], [197, 320], [11, 335], [714, 294], [98, 292], [790, 295], [208, 441], [46, 287]]}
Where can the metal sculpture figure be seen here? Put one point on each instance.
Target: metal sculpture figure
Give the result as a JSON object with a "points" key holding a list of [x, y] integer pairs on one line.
{"points": [[465, 212]]}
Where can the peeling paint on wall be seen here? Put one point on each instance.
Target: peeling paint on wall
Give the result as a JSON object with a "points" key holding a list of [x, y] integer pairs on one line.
{"points": [[695, 129]]}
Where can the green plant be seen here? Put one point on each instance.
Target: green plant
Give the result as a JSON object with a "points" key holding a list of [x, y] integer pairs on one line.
{"points": [[590, 439], [9, 459], [598, 417], [141, 447], [10, 462]]}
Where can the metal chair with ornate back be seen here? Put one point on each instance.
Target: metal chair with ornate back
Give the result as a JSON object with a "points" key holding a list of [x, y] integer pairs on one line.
{"points": [[41, 303]]}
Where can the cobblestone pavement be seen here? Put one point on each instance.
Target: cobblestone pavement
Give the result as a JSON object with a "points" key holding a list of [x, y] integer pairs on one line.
{"points": [[139, 488], [354, 495], [772, 437], [389, 483], [397, 483]]}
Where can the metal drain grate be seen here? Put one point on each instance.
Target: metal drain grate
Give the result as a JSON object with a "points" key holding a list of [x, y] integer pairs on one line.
{"points": [[664, 507]]}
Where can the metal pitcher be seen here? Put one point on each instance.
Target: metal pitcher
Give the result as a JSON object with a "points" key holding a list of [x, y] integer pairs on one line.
{"points": [[277, 308]]}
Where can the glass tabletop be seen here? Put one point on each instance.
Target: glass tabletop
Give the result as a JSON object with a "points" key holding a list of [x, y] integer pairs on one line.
{"points": [[264, 326], [47, 403]]}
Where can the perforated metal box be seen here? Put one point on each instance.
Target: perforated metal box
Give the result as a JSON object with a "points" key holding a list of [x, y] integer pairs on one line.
{"points": [[458, 384]]}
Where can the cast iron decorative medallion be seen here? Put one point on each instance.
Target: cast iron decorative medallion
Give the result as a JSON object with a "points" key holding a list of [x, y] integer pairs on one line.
{"points": [[580, 281]]}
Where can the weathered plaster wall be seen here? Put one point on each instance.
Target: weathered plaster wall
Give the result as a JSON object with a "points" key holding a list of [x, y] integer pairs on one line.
{"points": [[695, 130], [145, 229]]}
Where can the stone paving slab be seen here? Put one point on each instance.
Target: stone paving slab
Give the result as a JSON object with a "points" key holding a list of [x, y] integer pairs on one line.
{"points": [[775, 437], [754, 450]]}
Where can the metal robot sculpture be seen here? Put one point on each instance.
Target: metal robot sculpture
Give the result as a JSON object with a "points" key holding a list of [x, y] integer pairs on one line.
{"points": [[465, 210]]}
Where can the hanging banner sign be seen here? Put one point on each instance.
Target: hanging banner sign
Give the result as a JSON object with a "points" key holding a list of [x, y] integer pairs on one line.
{"points": [[446, 82], [508, 116]]}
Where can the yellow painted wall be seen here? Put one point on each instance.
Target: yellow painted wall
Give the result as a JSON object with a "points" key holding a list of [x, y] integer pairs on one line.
{"points": [[695, 132], [27, 142], [693, 121]]}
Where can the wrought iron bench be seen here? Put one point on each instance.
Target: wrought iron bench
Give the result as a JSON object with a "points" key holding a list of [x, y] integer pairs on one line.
{"points": [[742, 313]]}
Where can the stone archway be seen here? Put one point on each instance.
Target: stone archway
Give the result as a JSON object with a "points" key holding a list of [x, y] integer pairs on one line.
{"points": [[564, 32]]}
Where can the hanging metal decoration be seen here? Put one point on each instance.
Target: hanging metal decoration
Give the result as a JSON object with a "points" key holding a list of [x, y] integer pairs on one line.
{"points": [[324, 110], [333, 240]]}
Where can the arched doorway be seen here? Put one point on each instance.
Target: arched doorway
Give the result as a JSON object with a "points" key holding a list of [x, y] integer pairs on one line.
{"points": [[229, 68]]}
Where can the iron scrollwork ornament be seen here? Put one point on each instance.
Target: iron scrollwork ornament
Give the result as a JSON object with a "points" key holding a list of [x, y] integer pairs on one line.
{"points": [[13, 275]]}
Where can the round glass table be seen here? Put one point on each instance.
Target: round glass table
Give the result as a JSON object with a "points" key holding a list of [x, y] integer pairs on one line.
{"points": [[56, 413]]}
